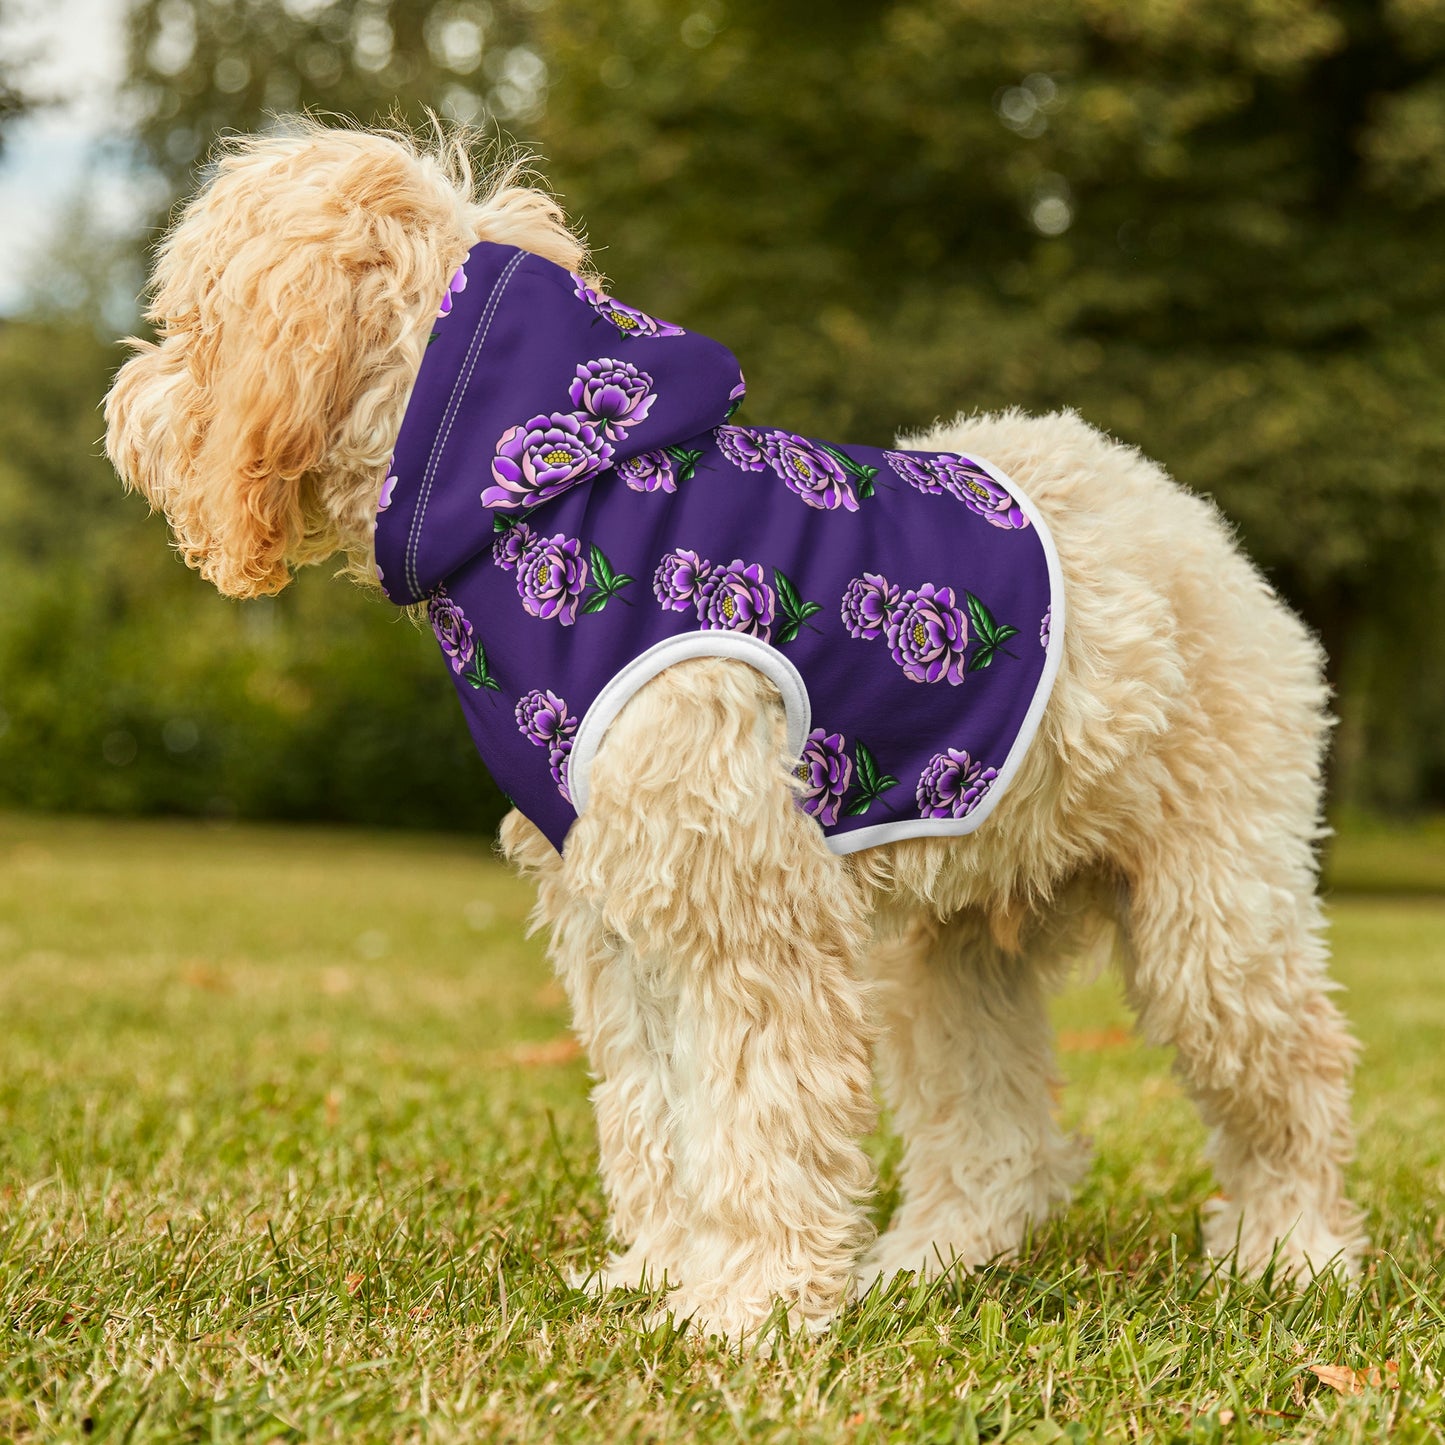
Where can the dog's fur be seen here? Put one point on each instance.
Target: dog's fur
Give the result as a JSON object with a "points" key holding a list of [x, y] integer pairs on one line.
{"points": [[729, 976]]}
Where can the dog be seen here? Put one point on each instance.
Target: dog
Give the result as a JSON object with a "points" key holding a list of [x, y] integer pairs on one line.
{"points": [[731, 975]]}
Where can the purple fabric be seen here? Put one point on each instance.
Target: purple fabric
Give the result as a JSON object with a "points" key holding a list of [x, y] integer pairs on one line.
{"points": [[569, 489]]}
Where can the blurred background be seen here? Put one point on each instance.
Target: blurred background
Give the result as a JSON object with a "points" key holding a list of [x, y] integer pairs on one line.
{"points": [[1216, 228]]}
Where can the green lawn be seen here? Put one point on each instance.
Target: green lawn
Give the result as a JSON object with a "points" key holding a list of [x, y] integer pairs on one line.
{"points": [[293, 1146]]}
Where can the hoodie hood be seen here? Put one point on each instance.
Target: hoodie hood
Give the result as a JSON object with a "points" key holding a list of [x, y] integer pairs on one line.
{"points": [[517, 337]]}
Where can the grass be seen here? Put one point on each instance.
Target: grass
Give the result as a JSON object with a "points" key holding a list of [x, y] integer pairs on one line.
{"points": [[293, 1146]]}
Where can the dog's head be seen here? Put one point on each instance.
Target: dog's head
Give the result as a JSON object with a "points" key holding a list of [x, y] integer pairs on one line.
{"points": [[292, 302]]}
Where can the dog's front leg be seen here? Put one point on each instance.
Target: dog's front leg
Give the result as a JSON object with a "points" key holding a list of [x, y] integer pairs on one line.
{"points": [[743, 931], [622, 1013]]}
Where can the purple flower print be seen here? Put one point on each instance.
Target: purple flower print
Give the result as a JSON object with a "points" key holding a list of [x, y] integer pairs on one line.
{"points": [[455, 287], [452, 629], [928, 635], [559, 755], [1046, 626], [735, 597], [952, 785], [543, 719], [740, 390], [808, 470], [511, 548], [388, 489], [627, 319], [742, 447], [978, 491], [678, 578], [866, 605], [649, 472], [551, 575], [916, 472], [826, 772], [544, 458], [615, 392]]}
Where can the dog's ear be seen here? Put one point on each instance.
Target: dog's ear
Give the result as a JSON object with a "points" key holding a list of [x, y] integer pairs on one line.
{"points": [[222, 423], [147, 413], [291, 302]]}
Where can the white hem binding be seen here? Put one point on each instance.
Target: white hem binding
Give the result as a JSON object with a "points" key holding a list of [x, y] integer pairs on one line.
{"points": [[789, 682], [646, 665]]}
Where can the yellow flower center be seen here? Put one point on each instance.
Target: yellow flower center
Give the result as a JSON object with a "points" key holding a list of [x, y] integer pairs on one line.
{"points": [[919, 635], [729, 608], [802, 468], [624, 322], [544, 574], [557, 457], [802, 771], [978, 489]]}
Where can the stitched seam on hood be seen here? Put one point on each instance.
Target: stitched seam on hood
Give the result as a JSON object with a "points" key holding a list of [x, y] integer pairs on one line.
{"points": [[464, 376]]}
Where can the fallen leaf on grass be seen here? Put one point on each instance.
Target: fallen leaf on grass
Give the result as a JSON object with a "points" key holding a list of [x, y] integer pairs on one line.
{"points": [[1345, 1381], [561, 1050], [197, 973], [354, 1283], [1090, 1041]]}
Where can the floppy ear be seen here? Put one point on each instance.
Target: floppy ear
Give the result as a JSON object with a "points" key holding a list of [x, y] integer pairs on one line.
{"points": [[222, 422], [146, 406], [286, 335], [291, 300]]}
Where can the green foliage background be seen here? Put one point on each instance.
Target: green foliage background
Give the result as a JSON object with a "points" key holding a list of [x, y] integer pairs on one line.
{"points": [[1214, 227]]}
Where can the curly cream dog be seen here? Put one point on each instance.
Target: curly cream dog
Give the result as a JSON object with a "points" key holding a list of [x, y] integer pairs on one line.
{"points": [[731, 984]]}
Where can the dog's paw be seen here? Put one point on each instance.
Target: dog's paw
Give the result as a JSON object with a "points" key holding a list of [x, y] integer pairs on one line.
{"points": [[1299, 1245]]}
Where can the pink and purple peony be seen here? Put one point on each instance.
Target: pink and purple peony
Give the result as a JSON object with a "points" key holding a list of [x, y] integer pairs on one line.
{"points": [[808, 470], [825, 771], [617, 393], [627, 319], [926, 629], [455, 287], [867, 605], [543, 719], [551, 577], [952, 785], [552, 572], [742, 447], [928, 635], [546, 457], [734, 598], [452, 629], [959, 477], [649, 472], [678, 577]]}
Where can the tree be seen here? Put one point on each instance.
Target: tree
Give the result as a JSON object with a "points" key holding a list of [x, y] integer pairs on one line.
{"points": [[15, 101], [1216, 227], [202, 67]]}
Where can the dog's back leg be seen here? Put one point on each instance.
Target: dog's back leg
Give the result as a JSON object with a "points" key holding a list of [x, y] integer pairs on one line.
{"points": [[743, 931], [1227, 964], [966, 1059]]}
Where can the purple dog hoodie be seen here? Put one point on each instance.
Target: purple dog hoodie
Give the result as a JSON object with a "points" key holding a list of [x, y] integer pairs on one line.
{"points": [[572, 501]]}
